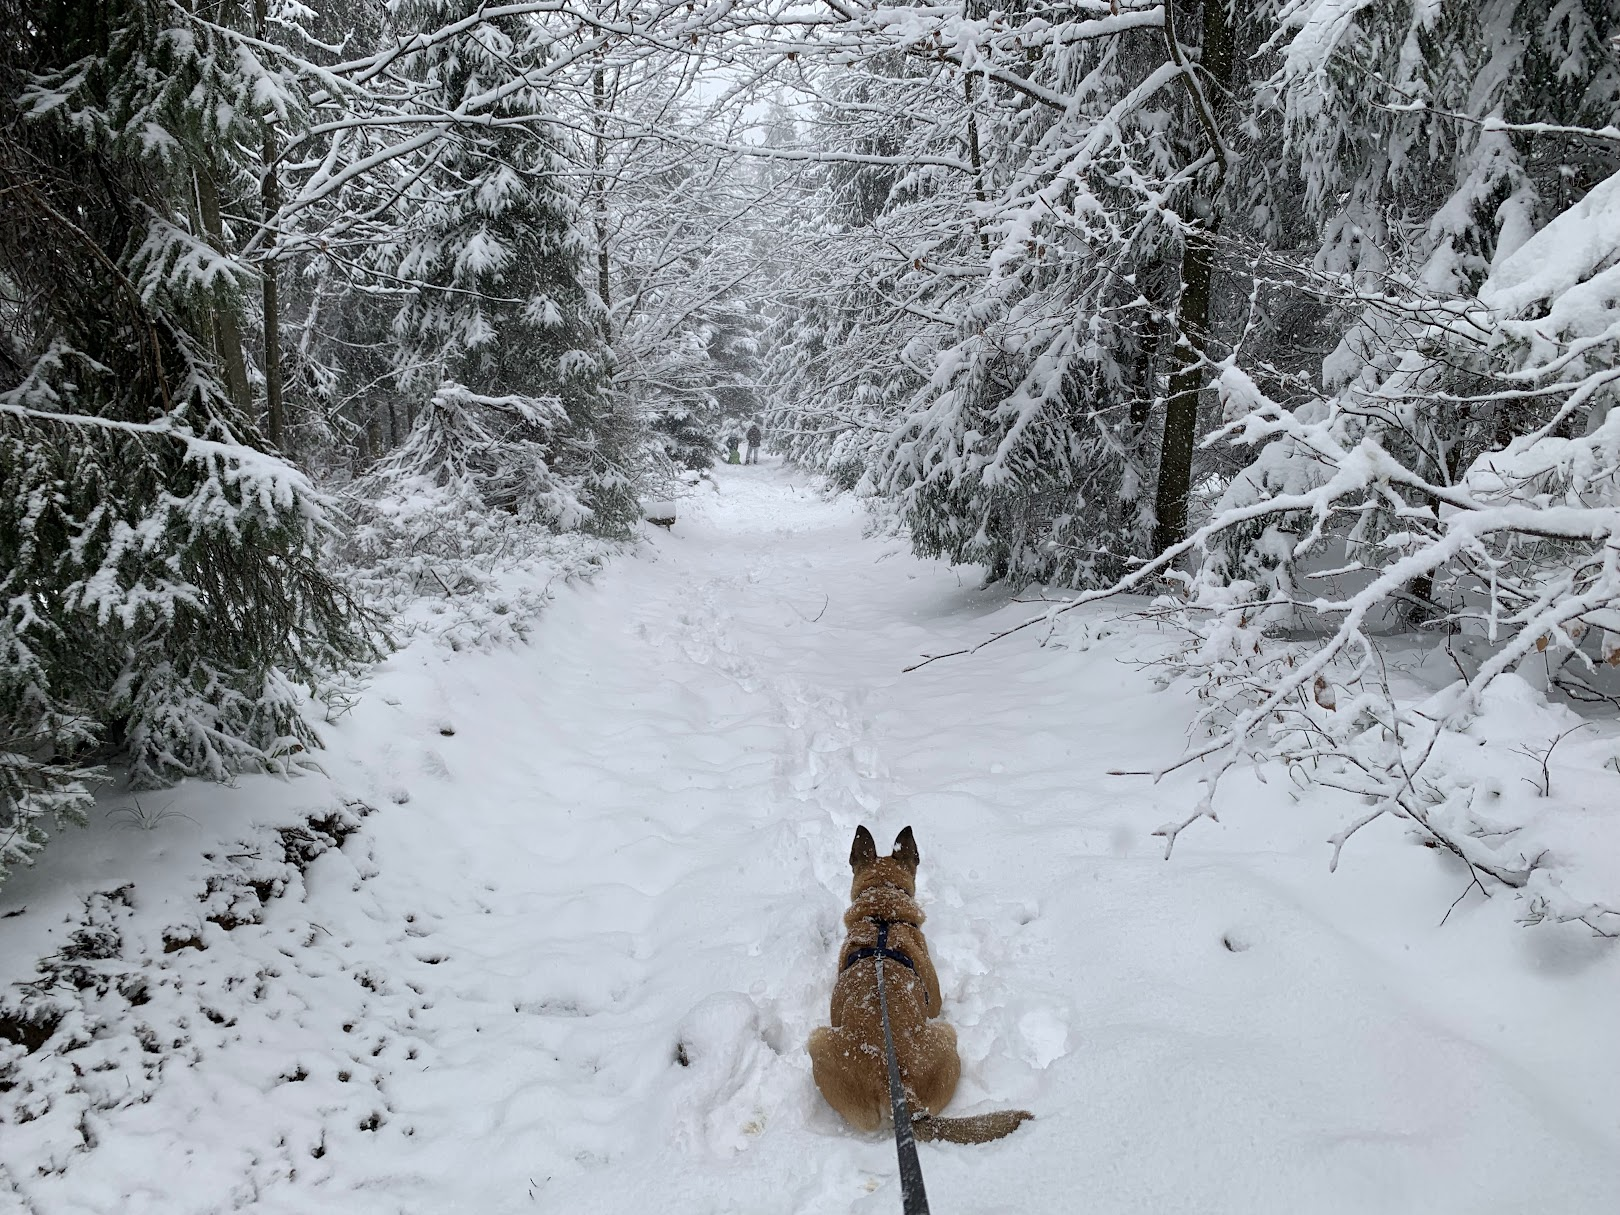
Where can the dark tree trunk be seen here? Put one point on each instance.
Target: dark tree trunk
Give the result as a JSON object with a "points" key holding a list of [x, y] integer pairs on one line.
{"points": [[1180, 435], [599, 99], [1181, 406], [977, 159], [274, 416], [227, 332], [1147, 351]]}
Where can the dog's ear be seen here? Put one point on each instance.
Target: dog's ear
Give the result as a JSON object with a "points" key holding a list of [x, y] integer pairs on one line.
{"points": [[905, 850], [863, 851]]}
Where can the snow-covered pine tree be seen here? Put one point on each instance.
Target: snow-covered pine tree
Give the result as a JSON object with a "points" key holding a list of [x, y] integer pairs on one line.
{"points": [[341, 363], [1029, 450], [161, 591], [685, 426], [501, 327]]}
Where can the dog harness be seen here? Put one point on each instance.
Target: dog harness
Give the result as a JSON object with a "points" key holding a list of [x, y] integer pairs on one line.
{"points": [[882, 950]]}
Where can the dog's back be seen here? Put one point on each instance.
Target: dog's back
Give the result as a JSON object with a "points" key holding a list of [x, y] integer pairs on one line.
{"points": [[848, 1059]]}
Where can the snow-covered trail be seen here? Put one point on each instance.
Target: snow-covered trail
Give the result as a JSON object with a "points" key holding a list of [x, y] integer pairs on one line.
{"points": [[571, 963]]}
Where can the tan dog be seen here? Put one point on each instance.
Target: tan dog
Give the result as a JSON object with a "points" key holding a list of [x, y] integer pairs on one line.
{"points": [[848, 1060]]}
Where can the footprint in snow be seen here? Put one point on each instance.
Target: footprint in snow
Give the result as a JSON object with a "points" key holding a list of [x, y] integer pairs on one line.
{"points": [[1043, 1037], [718, 1071]]}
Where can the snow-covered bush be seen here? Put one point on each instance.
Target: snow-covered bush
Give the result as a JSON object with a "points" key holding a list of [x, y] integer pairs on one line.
{"points": [[1455, 472], [470, 510], [435, 557]]}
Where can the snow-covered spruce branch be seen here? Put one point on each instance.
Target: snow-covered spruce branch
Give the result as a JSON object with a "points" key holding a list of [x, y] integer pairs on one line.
{"points": [[274, 482]]}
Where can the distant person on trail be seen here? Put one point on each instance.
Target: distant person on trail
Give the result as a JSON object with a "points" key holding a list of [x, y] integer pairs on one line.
{"points": [[732, 441], [755, 434]]}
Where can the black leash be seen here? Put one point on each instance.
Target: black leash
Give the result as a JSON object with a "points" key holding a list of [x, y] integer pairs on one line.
{"points": [[913, 1197]]}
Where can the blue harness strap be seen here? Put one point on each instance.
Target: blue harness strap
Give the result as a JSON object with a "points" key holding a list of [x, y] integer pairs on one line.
{"points": [[882, 950]]}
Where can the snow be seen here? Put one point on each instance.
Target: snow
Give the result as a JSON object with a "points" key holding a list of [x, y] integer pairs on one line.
{"points": [[481, 253], [625, 844], [1567, 268]]}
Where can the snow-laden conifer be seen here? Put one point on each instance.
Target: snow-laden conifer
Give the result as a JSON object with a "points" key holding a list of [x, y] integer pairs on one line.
{"points": [[161, 590], [1043, 201], [500, 327]]}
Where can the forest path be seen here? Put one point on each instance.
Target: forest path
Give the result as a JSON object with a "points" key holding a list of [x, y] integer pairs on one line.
{"points": [[571, 964], [662, 833]]}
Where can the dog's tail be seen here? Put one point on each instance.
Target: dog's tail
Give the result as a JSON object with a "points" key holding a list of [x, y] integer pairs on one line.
{"points": [[980, 1128]]}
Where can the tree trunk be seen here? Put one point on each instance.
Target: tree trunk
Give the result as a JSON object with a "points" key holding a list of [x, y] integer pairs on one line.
{"points": [[1147, 350], [977, 160], [227, 332], [1180, 435], [599, 189], [974, 156], [274, 416], [274, 412], [1181, 406]]}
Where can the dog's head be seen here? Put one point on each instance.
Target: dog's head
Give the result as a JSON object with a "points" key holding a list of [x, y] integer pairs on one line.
{"points": [[898, 869]]}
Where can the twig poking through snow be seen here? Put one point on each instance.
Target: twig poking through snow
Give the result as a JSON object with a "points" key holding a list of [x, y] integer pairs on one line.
{"points": [[1544, 758]]}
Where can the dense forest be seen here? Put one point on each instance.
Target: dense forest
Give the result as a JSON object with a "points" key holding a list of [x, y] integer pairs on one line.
{"points": [[1298, 318]]}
